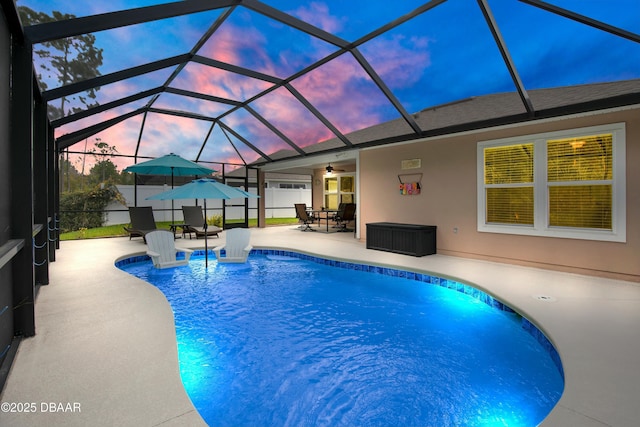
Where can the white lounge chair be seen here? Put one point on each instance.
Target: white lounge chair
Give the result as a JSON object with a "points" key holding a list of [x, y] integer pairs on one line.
{"points": [[237, 246], [162, 250]]}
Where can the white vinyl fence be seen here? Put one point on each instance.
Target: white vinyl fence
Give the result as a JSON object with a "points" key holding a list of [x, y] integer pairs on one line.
{"points": [[278, 202]]}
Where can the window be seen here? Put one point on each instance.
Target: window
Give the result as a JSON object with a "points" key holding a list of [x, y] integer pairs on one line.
{"points": [[292, 186], [338, 189], [508, 177], [567, 184]]}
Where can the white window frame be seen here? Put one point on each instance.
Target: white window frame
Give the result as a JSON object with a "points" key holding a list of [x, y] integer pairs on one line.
{"points": [[540, 226], [291, 186], [338, 191]]}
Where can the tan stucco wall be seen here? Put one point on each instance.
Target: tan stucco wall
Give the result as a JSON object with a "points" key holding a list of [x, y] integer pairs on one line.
{"points": [[448, 200]]}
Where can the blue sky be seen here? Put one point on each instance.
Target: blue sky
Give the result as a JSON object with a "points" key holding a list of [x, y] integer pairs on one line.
{"points": [[443, 55]]}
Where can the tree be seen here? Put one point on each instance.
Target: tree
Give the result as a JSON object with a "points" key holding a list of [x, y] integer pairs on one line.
{"points": [[67, 60], [103, 173], [85, 209], [70, 178], [104, 170], [127, 178]]}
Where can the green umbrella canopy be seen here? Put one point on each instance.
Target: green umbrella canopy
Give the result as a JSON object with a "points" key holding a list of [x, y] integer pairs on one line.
{"points": [[203, 188], [170, 164]]}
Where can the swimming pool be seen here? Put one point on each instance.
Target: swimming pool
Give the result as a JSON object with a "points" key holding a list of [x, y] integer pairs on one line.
{"points": [[292, 339]]}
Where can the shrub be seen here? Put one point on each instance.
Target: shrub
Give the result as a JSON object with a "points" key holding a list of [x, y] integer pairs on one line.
{"points": [[215, 220], [85, 209]]}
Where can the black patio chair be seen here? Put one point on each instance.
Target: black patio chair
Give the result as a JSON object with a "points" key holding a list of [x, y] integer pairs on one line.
{"points": [[338, 214], [142, 221], [304, 216], [343, 218], [195, 223]]}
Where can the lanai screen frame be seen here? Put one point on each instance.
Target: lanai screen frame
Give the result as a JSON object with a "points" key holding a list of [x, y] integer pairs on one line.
{"points": [[95, 23]]}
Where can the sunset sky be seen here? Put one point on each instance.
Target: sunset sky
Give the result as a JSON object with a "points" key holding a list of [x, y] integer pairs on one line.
{"points": [[443, 55]]}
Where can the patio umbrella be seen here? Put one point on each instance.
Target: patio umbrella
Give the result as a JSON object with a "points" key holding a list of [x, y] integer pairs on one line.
{"points": [[204, 188], [170, 164]]}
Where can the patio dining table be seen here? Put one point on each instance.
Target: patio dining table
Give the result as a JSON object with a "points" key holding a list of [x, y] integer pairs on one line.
{"points": [[326, 215]]}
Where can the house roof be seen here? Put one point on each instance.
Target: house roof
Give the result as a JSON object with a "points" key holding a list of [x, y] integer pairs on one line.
{"points": [[480, 112], [502, 108]]}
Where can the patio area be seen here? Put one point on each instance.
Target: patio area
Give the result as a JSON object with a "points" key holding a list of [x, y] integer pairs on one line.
{"points": [[105, 350]]}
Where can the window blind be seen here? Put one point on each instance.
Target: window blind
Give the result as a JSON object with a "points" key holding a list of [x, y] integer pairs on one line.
{"points": [[587, 158], [511, 164], [509, 184], [583, 206], [580, 173]]}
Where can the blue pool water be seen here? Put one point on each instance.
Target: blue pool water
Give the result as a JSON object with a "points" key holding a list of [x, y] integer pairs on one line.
{"points": [[285, 341]]}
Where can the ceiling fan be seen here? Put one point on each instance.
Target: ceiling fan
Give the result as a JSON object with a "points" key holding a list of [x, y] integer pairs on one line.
{"points": [[331, 169]]}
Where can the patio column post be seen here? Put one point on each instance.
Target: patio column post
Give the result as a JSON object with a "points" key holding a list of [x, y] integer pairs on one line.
{"points": [[53, 173], [21, 176], [262, 222], [41, 198]]}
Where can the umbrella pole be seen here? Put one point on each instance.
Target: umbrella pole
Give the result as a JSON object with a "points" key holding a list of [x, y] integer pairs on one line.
{"points": [[135, 189], [172, 219], [206, 247]]}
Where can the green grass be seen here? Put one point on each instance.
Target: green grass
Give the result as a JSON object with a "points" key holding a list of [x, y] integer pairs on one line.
{"points": [[118, 230]]}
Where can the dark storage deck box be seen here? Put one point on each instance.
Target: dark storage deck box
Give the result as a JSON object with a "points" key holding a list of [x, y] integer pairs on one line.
{"points": [[408, 239]]}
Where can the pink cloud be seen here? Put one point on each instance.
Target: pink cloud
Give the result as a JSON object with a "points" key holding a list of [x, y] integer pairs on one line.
{"points": [[291, 118], [161, 134], [165, 133], [123, 136], [397, 58], [183, 103], [234, 45], [340, 89], [318, 14], [343, 92], [217, 82]]}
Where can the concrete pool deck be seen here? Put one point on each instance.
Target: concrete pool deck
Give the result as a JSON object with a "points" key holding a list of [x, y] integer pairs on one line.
{"points": [[106, 341]]}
